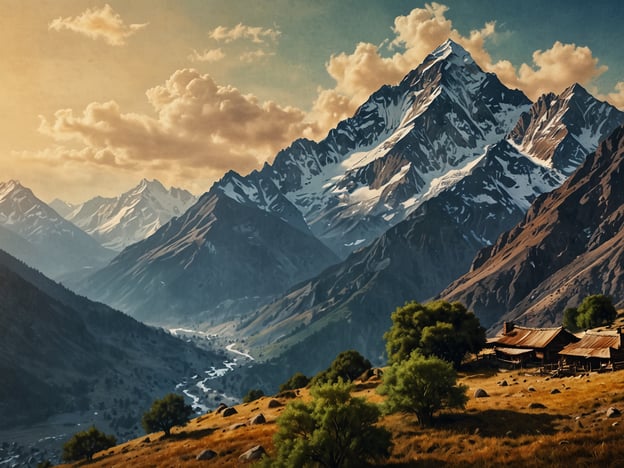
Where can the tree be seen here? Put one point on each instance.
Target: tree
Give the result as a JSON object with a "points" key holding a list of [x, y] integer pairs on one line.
{"points": [[252, 395], [335, 429], [569, 319], [348, 366], [166, 413], [439, 328], [595, 311], [422, 385], [87, 443], [298, 380]]}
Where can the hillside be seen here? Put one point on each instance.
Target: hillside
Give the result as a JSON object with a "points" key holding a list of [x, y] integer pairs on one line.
{"points": [[568, 246], [500, 430]]}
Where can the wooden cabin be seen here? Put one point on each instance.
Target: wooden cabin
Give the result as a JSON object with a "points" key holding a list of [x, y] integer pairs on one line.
{"points": [[522, 346], [595, 350]]}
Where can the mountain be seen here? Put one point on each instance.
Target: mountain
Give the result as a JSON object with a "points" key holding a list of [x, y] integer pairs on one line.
{"points": [[61, 207], [215, 255], [134, 215], [373, 169], [569, 245], [348, 304], [46, 240], [61, 353]]}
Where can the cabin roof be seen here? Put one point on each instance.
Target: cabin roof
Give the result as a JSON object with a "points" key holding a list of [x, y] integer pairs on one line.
{"points": [[525, 337], [594, 344]]}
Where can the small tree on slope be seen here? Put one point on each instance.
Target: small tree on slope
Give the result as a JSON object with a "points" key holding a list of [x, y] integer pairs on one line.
{"points": [[166, 413]]}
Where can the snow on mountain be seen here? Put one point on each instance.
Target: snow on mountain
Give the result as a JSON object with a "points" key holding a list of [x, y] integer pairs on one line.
{"points": [[62, 247], [375, 168], [132, 216], [62, 207]]}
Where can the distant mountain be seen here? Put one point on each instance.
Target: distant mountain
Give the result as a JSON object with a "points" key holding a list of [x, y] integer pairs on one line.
{"points": [[61, 353], [133, 216], [61, 207], [198, 265], [48, 242], [569, 245]]}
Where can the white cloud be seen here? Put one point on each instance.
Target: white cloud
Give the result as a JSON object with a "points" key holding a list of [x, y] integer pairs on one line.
{"points": [[200, 128], [255, 55], [256, 34], [207, 55], [98, 23]]}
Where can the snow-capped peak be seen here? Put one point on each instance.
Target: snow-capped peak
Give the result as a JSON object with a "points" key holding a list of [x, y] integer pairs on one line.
{"points": [[134, 215], [451, 50]]}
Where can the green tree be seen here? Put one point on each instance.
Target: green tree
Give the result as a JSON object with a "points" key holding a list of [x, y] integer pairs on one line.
{"points": [[87, 443], [348, 366], [166, 413], [422, 385], [298, 380], [439, 328], [335, 429], [252, 395], [595, 311]]}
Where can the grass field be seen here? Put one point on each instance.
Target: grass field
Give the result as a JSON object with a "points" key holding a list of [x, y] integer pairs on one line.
{"points": [[571, 429]]}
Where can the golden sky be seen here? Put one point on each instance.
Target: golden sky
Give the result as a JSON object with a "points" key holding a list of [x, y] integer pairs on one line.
{"points": [[95, 96]]}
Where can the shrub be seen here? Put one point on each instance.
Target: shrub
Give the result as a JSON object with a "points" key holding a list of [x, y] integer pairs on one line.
{"points": [[422, 385], [348, 366], [87, 443], [333, 430], [252, 395], [298, 380]]}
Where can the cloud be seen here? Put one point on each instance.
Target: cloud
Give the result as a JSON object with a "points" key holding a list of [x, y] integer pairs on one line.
{"points": [[256, 34], [616, 98], [98, 23], [360, 73], [199, 128], [207, 55], [255, 55]]}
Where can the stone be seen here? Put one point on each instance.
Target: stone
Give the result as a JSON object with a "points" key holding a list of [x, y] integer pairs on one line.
{"points": [[536, 405], [257, 419], [221, 407], [503, 383], [229, 411], [532, 389], [480, 393], [554, 391], [274, 404], [206, 455], [613, 412], [253, 454], [233, 427]]}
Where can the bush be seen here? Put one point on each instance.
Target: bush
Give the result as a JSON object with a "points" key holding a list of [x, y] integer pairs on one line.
{"points": [[87, 443], [446, 330], [422, 385], [166, 413], [348, 366], [333, 430], [298, 380], [252, 395]]}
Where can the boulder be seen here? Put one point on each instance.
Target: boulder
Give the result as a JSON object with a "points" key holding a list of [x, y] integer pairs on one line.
{"points": [[554, 391], [221, 407], [257, 419], [613, 413], [480, 393], [253, 454], [233, 427], [274, 404], [532, 389], [229, 411], [536, 405], [206, 455]]}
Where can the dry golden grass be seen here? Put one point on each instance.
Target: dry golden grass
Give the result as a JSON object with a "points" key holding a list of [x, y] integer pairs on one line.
{"points": [[500, 430]]}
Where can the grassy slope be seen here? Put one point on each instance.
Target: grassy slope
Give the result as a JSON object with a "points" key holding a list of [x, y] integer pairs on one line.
{"points": [[495, 431]]}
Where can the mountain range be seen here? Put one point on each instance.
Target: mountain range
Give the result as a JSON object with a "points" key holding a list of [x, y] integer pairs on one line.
{"points": [[405, 192], [38, 235], [132, 216]]}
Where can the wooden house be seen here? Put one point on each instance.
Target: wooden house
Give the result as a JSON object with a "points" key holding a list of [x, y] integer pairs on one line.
{"points": [[595, 350], [521, 346]]}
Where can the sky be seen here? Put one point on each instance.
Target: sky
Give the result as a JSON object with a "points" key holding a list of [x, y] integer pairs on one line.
{"points": [[95, 96]]}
